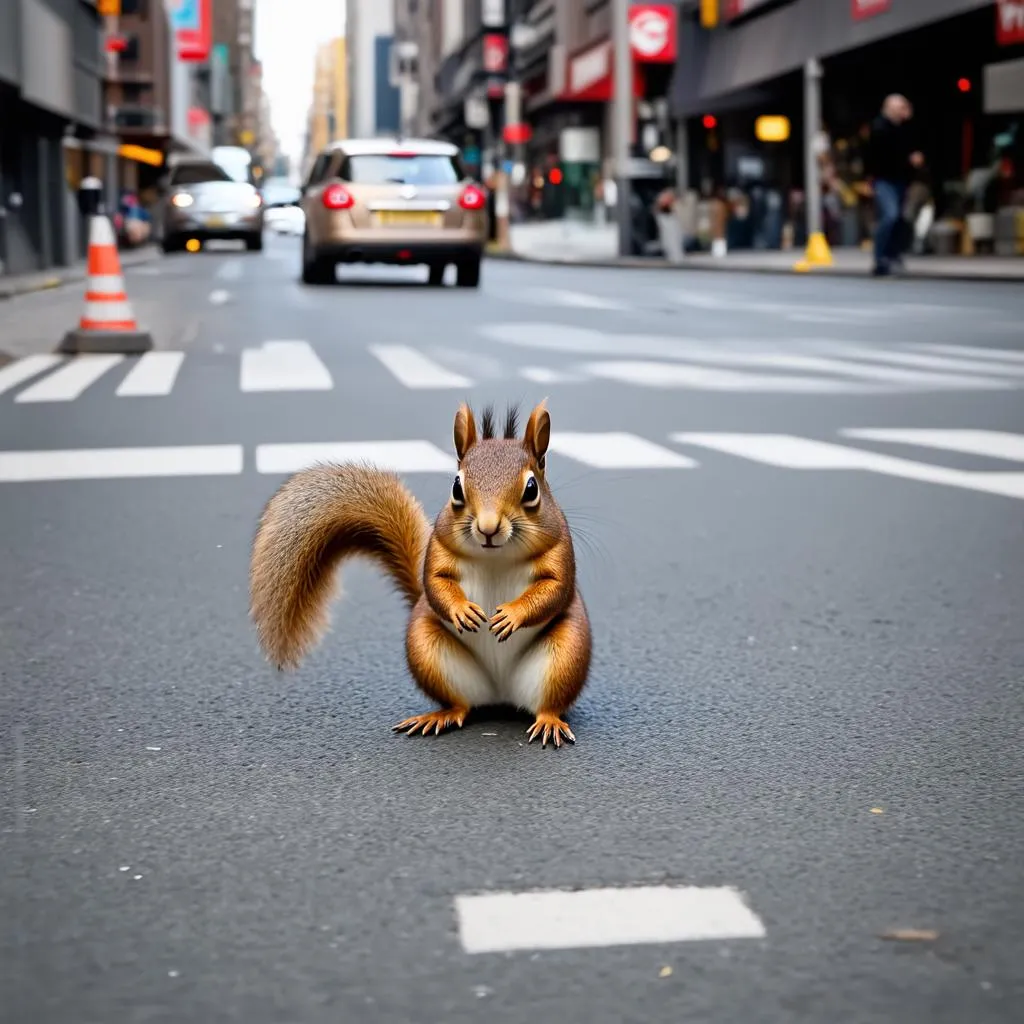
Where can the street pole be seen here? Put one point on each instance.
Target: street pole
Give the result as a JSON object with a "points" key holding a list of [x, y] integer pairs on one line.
{"points": [[622, 118], [818, 253]]}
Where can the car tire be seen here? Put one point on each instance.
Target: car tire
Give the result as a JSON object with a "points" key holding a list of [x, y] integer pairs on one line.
{"points": [[170, 243], [254, 243], [315, 270], [468, 274], [436, 278]]}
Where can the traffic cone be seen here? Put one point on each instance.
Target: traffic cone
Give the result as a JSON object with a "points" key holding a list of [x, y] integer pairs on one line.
{"points": [[818, 254], [107, 323]]}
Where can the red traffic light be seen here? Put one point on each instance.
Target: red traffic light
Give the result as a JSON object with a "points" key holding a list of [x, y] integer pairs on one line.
{"points": [[555, 177], [710, 121], [964, 85]]}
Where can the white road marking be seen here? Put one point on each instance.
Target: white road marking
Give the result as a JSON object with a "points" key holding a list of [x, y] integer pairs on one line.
{"points": [[413, 369], [398, 456], [1005, 354], [801, 453], [590, 918], [543, 375], [617, 451], [995, 444], [121, 463], [944, 363], [284, 366], [230, 270], [700, 378], [219, 297], [67, 383], [582, 300], [22, 369], [152, 376]]}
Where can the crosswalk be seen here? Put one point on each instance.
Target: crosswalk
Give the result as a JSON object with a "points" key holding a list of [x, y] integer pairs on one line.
{"points": [[575, 357], [853, 450]]}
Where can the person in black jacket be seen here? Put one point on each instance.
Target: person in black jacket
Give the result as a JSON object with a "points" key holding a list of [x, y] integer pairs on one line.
{"points": [[892, 158]]}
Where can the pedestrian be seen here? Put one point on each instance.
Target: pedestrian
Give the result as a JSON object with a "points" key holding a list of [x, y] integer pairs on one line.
{"points": [[892, 158]]}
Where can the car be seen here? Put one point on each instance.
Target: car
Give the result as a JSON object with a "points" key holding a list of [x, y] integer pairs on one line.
{"points": [[395, 201], [202, 201], [283, 213]]}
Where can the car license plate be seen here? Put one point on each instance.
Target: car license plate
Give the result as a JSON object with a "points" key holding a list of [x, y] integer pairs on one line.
{"points": [[409, 218], [215, 220]]}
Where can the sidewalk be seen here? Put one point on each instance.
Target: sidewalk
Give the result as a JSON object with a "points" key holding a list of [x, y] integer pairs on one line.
{"points": [[23, 284], [594, 245]]}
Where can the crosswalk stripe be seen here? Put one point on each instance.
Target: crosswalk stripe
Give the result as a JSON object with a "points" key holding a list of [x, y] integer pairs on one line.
{"points": [[152, 376], [979, 352], [592, 918], [67, 383], [22, 369], [995, 444], [284, 366], [121, 463], [397, 456], [801, 453], [934, 362], [617, 451], [415, 370]]}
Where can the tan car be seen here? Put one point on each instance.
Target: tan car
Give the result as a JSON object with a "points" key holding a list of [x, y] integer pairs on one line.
{"points": [[396, 201]]}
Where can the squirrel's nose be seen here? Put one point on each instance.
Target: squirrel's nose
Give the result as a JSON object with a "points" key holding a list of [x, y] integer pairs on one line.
{"points": [[487, 523]]}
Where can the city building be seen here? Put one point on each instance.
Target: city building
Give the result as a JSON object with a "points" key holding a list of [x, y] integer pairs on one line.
{"points": [[52, 131], [372, 90], [329, 108]]}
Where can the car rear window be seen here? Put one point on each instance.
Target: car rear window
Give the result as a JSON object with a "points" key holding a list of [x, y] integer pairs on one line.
{"points": [[196, 174], [384, 169]]}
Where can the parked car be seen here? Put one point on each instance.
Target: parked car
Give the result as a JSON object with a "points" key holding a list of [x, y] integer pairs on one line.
{"points": [[202, 201], [394, 201]]}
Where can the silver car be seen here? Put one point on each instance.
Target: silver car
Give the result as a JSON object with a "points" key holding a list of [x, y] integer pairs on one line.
{"points": [[203, 202]]}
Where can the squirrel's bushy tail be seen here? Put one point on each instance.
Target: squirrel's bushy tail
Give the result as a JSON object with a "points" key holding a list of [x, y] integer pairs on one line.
{"points": [[315, 520]]}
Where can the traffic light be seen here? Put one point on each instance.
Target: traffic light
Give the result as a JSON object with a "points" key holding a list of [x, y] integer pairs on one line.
{"points": [[710, 121], [964, 84], [709, 13]]}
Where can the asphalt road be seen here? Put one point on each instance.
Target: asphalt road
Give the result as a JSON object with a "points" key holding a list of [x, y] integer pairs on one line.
{"points": [[807, 682]]}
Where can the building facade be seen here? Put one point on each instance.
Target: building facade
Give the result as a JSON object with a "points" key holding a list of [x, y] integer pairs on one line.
{"points": [[51, 128], [374, 104], [329, 108]]}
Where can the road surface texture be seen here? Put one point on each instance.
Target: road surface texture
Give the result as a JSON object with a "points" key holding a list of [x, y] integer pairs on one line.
{"points": [[799, 507]]}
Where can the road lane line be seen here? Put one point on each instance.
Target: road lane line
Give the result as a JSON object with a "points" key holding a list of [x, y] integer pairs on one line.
{"points": [[788, 452], [284, 366], [397, 456], [413, 369], [945, 363], [219, 296], [995, 444], [508, 921], [152, 376], [617, 451], [22, 369], [67, 383], [1004, 354], [121, 463]]}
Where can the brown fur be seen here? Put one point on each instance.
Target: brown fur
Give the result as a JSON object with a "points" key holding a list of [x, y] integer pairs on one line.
{"points": [[316, 519]]}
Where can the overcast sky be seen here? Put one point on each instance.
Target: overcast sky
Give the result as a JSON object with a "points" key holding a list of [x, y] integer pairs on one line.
{"points": [[287, 35]]}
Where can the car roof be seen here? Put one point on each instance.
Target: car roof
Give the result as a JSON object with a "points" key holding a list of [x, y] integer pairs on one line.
{"points": [[387, 144]]}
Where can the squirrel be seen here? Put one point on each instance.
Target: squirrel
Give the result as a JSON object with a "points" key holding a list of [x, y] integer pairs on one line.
{"points": [[495, 615]]}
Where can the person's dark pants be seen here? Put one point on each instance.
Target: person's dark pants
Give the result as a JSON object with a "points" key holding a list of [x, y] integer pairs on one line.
{"points": [[889, 214]]}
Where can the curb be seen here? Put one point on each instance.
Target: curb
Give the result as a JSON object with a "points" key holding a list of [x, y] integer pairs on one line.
{"points": [[637, 263], [69, 275]]}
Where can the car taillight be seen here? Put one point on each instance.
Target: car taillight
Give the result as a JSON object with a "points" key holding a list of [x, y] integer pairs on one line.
{"points": [[337, 197], [472, 198]]}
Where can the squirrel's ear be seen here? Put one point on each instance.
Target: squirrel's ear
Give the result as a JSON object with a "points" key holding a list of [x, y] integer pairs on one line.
{"points": [[465, 431], [537, 435]]}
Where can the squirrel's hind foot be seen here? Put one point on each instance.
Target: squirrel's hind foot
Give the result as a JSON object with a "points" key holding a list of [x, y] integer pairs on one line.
{"points": [[550, 727], [433, 720]]}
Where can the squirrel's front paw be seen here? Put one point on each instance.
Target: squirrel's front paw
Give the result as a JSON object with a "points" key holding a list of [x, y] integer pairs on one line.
{"points": [[468, 616], [505, 621]]}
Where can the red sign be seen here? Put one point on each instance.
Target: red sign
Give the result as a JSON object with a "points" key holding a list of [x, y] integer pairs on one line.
{"points": [[653, 33], [861, 9], [495, 54], [591, 76], [1010, 22], [195, 43]]}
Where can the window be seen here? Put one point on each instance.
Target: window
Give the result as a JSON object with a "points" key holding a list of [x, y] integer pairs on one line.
{"points": [[197, 173], [383, 168]]}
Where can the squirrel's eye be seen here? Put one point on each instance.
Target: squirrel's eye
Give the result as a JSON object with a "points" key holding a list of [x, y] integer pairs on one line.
{"points": [[458, 494], [531, 492]]}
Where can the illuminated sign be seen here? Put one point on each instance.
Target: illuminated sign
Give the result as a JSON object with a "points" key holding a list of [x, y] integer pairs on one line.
{"points": [[771, 128]]}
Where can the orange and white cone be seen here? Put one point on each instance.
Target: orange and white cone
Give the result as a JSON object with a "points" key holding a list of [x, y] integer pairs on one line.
{"points": [[107, 323]]}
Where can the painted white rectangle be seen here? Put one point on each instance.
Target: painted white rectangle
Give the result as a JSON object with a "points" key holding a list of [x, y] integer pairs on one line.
{"points": [[591, 918], [930, 362], [121, 463], [22, 369], [617, 451], [582, 300], [413, 369], [153, 376], [544, 375], [67, 383], [803, 454], [996, 354], [398, 456], [993, 444], [284, 366]]}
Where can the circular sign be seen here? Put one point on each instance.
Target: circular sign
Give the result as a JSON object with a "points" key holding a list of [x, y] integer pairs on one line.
{"points": [[649, 32]]}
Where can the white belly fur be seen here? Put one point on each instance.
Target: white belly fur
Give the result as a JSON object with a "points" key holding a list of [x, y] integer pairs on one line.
{"points": [[512, 672]]}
